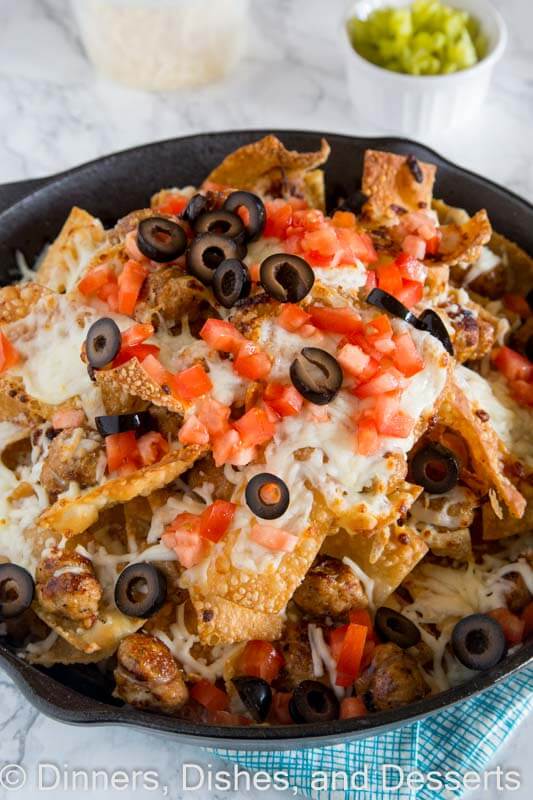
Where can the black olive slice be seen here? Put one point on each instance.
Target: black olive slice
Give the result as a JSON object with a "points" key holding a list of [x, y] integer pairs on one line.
{"points": [[435, 468], [387, 302], [140, 590], [139, 421], [313, 702], [231, 282], [478, 641], [221, 222], [256, 212], [396, 628], [354, 202], [267, 496], [103, 342], [160, 239], [430, 321], [198, 204], [316, 375], [256, 695], [207, 252], [16, 591], [286, 277]]}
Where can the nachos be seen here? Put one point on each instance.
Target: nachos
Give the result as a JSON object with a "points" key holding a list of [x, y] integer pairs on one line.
{"points": [[264, 463]]}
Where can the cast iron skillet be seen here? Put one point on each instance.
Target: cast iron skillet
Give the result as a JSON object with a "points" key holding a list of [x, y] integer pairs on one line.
{"points": [[31, 214]]}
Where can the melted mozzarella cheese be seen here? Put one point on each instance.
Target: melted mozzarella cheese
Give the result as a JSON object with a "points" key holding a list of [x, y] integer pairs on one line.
{"points": [[486, 262], [348, 277]]}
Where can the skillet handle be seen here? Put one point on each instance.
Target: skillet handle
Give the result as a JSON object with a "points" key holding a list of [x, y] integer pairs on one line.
{"points": [[11, 193]]}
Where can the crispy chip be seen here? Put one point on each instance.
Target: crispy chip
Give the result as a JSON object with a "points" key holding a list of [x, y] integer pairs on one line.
{"points": [[487, 451], [391, 185], [68, 255], [500, 528], [103, 637], [18, 406], [266, 165], [73, 516], [18, 300], [61, 652], [400, 554], [130, 380], [462, 244], [219, 621], [447, 543]]}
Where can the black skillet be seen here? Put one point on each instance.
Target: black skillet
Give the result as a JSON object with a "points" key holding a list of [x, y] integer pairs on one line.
{"points": [[31, 214]]}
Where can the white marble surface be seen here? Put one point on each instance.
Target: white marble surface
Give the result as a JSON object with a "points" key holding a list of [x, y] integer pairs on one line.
{"points": [[55, 112]]}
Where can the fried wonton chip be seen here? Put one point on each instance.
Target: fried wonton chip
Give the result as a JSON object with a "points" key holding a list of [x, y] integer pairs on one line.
{"points": [[67, 257], [17, 300], [473, 329], [488, 453], [268, 168], [219, 621], [500, 527], [517, 263], [73, 516], [381, 509], [401, 552], [267, 591], [103, 637], [130, 380], [395, 184], [462, 244], [61, 652]]}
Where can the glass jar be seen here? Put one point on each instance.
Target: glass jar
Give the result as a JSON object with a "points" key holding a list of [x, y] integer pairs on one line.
{"points": [[163, 44]]}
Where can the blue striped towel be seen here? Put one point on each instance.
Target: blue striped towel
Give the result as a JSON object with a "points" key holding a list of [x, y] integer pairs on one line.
{"points": [[459, 739]]}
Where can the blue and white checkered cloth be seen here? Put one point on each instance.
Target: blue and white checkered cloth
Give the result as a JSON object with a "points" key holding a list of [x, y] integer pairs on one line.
{"points": [[460, 739]]}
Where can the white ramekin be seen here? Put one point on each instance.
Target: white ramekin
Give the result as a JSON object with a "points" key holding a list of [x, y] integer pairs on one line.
{"points": [[422, 105]]}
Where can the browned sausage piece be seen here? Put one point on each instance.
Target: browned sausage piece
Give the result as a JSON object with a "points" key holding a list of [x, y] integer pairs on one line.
{"points": [[148, 676], [204, 471], [517, 595], [393, 679], [330, 588], [66, 585], [297, 654], [170, 293], [74, 455]]}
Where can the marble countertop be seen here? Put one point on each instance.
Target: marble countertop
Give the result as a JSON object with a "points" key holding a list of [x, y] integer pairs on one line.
{"points": [[56, 112]]}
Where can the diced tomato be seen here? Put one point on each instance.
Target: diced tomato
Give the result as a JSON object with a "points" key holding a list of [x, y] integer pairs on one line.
{"points": [[368, 653], [389, 278], [68, 418], [156, 370], [514, 366], [273, 538], [322, 243], [216, 519], [252, 363], [221, 335], [433, 244], [410, 268], [214, 416], [255, 427], [9, 356], [183, 536], [355, 245], [350, 655], [292, 317], [137, 334], [411, 293], [335, 320], [174, 205], [127, 467], [130, 282], [261, 660], [378, 328], [152, 447], [280, 708], [361, 616], [415, 246], [138, 351], [192, 383], [95, 279], [406, 357], [352, 359], [518, 304], [254, 271], [390, 419], [344, 219], [387, 381], [224, 447], [352, 707], [367, 437], [513, 626], [279, 217], [527, 616], [121, 447], [285, 400], [193, 431], [209, 695], [371, 280], [335, 640]]}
